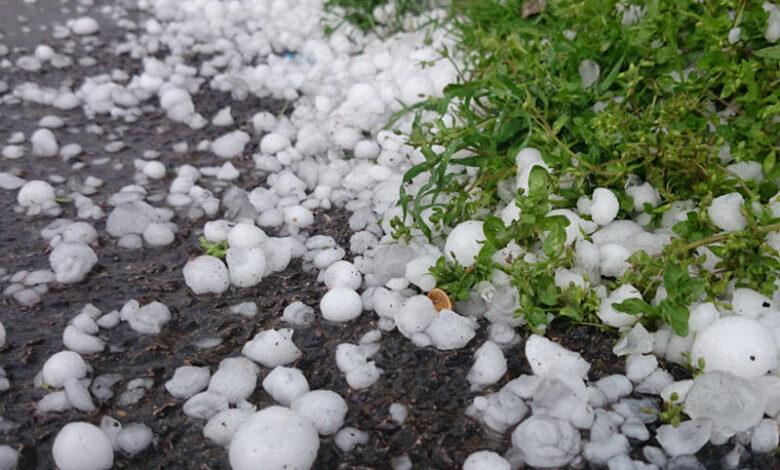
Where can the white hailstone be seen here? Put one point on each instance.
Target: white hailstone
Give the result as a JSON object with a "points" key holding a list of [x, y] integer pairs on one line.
{"points": [[526, 160], [342, 274], [604, 207], [84, 26], [486, 460], [79, 232], [204, 405], [222, 426], [589, 72], [134, 438], [749, 303], [36, 193], [81, 342], [12, 152], [324, 408], [546, 442], [236, 379], [613, 259], [44, 144], [643, 194], [551, 360], [148, 319], [274, 143], [246, 266], [415, 89], [54, 402], [366, 149], [274, 439], [725, 212], [772, 32], [246, 235], [612, 317], [398, 413], [72, 261], [298, 216], [82, 446], [206, 274], [62, 366], [341, 304], [78, 395], [285, 384], [223, 117], [298, 313], [158, 234], [230, 145], [489, 366], [732, 403], [686, 438], [2, 335], [154, 170], [272, 348], [187, 381], [738, 345], [764, 437], [418, 272], [348, 438], [734, 35], [640, 366], [9, 458], [451, 331], [464, 242], [346, 138], [130, 217], [415, 315]]}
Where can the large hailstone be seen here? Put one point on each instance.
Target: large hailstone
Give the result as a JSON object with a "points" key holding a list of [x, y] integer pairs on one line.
{"points": [[726, 212], [341, 304], [63, 366], [324, 408], [272, 348], [612, 317], [206, 274], [738, 345], [72, 261], [464, 242], [546, 442], [274, 439], [82, 446]]}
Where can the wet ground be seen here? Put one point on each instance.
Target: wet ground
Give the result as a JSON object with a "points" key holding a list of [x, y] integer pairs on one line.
{"points": [[432, 384]]}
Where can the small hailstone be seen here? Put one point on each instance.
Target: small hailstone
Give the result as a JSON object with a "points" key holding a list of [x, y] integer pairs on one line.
{"points": [[489, 366], [244, 235], [550, 360], [764, 437], [613, 259], [246, 266], [463, 242], [148, 319], [36, 193], [72, 261], [451, 331], [639, 366], [84, 26], [236, 379], [687, 438], [486, 460], [418, 272], [62, 366], [9, 458], [82, 446], [230, 145], [274, 438], [204, 405], [604, 207], [298, 216], [44, 143], [134, 438], [274, 143], [154, 170], [341, 304], [324, 408], [222, 118], [247, 309], [725, 212], [285, 384], [342, 274], [78, 395], [187, 381], [206, 274], [749, 303], [298, 313], [54, 402], [157, 234], [2, 335], [415, 315], [612, 317], [735, 344], [81, 342], [614, 387], [347, 438], [546, 442], [222, 426], [398, 413], [272, 348], [589, 72]]}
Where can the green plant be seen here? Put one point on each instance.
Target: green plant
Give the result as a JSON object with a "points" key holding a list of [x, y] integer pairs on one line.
{"points": [[360, 13], [675, 99], [217, 250]]}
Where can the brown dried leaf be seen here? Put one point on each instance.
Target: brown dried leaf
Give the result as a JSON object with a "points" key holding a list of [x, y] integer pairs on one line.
{"points": [[533, 7]]}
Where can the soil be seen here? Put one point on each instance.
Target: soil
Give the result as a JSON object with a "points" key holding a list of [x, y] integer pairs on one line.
{"points": [[432, 384]]}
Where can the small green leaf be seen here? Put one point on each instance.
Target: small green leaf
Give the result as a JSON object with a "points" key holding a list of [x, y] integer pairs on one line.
{"points": [[675, 316], [538, 183], [554, 243], [772, 52], [634, 306], [769, 163]]}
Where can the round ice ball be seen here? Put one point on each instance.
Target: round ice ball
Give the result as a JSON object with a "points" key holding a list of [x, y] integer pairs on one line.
{"points": [[82, 446], [206, 274], [274, 439], [342, 274], [341, 304], [735, 344], [612, 317], [605, 206], [35, 193], [485, 460], [463, 243], [325, 408], [62, 366]]}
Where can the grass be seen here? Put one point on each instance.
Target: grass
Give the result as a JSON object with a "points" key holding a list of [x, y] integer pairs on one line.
{"points": [[673, 96]]}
